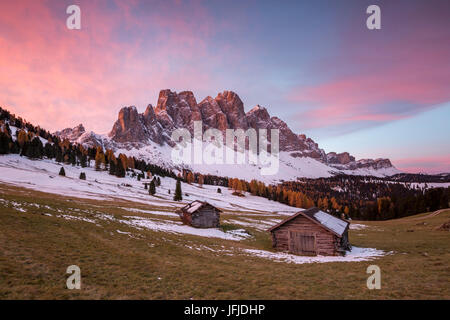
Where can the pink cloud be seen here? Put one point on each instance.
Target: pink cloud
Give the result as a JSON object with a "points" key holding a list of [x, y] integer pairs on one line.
{"points": [[57, 78], [381, 78], [432, 164]]}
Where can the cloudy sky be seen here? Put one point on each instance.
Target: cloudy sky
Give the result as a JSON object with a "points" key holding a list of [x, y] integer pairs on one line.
{"points": [[374, 93]]}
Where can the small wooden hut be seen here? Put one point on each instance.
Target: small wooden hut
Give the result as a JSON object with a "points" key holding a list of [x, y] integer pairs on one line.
{"points": [[200, 214], [311, 232]]}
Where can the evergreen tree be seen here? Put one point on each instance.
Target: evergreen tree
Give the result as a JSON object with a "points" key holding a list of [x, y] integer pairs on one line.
{"points": [[4, 143], [59, 156], [49, 151], [62, 172], [112, 168], [158, 181], [219, 190], [83, 176], [83, 161], [178, 195], [14, 147], [152, 189], [120, 171]]}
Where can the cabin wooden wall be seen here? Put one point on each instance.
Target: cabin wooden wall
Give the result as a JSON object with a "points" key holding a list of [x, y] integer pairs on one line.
{"points": [[186, 218], [206, 217], [326, 241]]}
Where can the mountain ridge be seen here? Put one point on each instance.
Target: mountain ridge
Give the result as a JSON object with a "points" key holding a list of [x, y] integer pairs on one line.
{"points": [[134, 130]]}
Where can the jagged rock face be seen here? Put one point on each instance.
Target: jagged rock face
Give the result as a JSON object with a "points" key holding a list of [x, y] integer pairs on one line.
{"points": [[371, 163], [212, 114], [132, 127], [258, 117], [177, 110], [149, 115], [165, 107], [128, 127], [71, 133], [289, 141], [341, 158], [90, 139], [226, 111], [233, 108]]}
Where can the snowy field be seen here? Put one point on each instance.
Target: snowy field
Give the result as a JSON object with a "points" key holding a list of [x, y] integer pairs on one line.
{"points": [[289, 167], [248, 214], [42, 175]]}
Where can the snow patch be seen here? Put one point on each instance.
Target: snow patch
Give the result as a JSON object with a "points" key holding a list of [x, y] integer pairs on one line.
{"points": [[357, 254], [178, 227], [357, 226]]}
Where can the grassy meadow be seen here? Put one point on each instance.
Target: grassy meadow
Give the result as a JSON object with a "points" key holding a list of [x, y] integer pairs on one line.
{"points": [[119, 261]]}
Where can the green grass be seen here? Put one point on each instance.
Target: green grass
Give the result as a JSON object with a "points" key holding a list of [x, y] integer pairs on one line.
{"points": [[36, 249]]}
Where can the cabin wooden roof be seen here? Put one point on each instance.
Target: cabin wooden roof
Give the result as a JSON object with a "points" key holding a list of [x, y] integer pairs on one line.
{"points": [[195, 206], [325, 220]]}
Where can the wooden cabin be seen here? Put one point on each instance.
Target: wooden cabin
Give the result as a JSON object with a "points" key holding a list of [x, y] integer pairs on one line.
{"points": [[200, 214], [311, 232]]}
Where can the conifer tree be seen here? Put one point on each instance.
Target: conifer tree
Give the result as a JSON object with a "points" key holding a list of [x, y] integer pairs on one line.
{"points": [[152, 189], [83, 176], [178, 194], [83, 161], [120, 171], [62, 172], [4, 143], [112, 168]]}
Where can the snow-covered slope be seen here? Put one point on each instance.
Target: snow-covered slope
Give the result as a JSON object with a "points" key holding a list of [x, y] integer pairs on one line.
{"points": [[289, 167], [42, 175], [140, 211]]}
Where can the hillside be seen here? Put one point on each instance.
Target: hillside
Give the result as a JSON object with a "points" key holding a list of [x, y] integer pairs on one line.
{"points": [[130, 244], [125, 251]]}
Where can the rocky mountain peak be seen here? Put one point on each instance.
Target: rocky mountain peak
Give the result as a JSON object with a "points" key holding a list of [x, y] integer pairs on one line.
{"points": [[149, 113], [128, 126], [259, 113], [71, 133], [339, 158], [212, 114], [226, 111], [233, 107], [135, 128]]}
